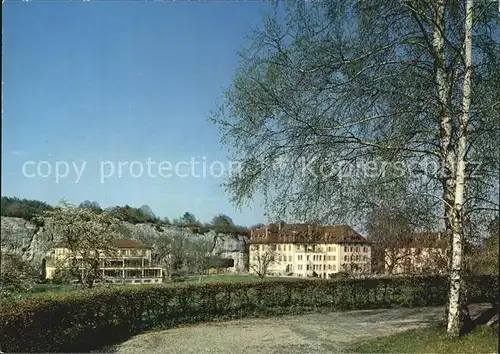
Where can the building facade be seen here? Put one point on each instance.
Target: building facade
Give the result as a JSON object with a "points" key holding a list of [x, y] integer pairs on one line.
{"points": [[130, 263], [306, 250], [425, 253]]}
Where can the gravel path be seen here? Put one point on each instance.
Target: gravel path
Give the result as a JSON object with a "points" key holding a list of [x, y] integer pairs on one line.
{"points": [[311, 333]]}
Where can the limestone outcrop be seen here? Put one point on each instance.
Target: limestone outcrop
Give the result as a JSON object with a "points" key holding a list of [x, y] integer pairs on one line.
{"points": [[35, 244]]}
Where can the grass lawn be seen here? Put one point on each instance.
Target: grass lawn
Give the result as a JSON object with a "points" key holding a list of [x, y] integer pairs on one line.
{"points": [[40, 289], [432, 340], [210, 278]]}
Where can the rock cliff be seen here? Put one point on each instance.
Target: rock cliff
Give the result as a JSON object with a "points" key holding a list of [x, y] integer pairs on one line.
{"points": [[34, 243]]}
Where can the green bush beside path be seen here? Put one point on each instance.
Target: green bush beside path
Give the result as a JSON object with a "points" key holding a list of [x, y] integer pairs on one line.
{"points": [[83, 320]]}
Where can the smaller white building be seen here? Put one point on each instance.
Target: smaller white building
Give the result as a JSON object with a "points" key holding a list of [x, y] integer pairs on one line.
{"points": [[129, 264]]}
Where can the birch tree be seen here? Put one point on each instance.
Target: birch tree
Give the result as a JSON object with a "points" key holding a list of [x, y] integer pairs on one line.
{"points": [[457, 225], [338, 107]]}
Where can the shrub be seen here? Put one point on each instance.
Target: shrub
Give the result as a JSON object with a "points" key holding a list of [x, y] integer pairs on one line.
{"points": [[16, 274], [178, 277], [89, 319], [64, 276]]}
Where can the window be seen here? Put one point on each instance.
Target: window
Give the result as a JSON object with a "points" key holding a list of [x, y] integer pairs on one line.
{"points": [[329, 267], [307, 257], [351, 249], [289, 247], [324, 267], [346, 249], [299, 267], [365, 249], [289, 258], [357, 249], [334, 249], [299, 257], [279, 247], [329, 249], [308, 267], [334, 258], [334, 267], [346, 258]]}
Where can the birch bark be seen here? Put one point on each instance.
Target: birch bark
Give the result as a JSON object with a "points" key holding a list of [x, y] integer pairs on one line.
{"points": [[454, 308]]}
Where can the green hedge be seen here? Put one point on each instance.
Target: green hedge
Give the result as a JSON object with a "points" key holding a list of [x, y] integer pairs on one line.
{"points": [[85, 320]]}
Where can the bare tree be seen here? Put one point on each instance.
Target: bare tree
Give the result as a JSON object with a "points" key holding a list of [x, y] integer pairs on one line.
{"points": [[352, 269], [180, 250], [482, 257], [390, 231], [262, 261], [91, 205], [88, 237]]}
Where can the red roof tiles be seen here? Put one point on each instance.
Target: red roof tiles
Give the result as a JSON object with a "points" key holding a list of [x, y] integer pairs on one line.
{"points": [[124, 243]]}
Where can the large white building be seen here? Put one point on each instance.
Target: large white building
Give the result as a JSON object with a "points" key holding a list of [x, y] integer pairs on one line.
{"points": [[308, 250], [424, 253]]}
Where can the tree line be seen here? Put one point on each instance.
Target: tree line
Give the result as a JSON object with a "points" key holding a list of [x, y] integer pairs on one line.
{"points": [[29, 209]]}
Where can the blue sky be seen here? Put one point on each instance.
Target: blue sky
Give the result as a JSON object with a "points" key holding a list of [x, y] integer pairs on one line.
{"points": [[119, 81]]}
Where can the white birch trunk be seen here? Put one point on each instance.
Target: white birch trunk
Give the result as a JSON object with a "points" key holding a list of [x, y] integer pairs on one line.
{"points": [[446, 126], [454, 308]]}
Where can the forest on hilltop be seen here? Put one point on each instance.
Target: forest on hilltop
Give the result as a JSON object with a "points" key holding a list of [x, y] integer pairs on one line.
{"points": [[30, 209]]}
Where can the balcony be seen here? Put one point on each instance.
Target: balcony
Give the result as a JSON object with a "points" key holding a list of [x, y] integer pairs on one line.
{"points": [[123, 274]]}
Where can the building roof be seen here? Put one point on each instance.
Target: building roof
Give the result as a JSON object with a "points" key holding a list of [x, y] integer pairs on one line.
{"points": [[305, 233], [421, 240], [125, 243], [118, 243], [430, 239]]}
